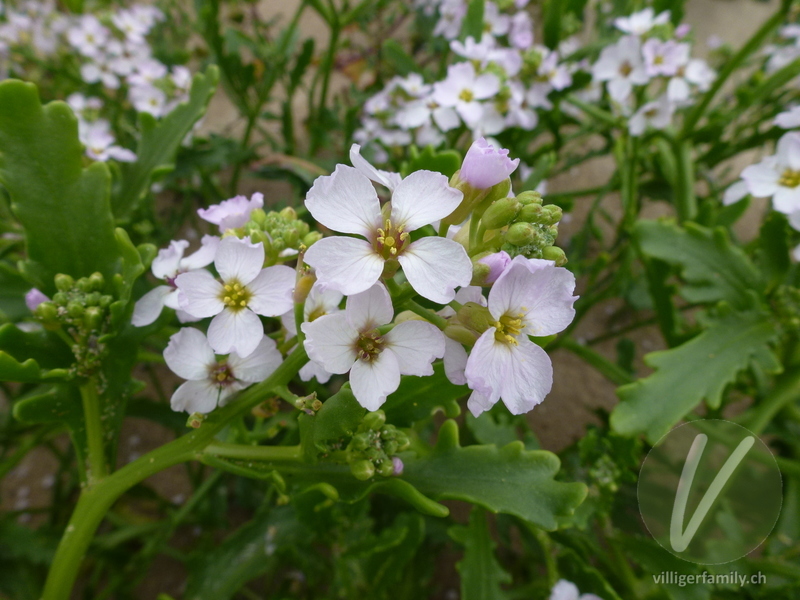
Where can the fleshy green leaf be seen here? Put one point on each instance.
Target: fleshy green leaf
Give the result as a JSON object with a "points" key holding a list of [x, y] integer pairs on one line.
{"points": [[12, 294], [43, 346], [473, 21], [481, 574], [332, 425], [698, 369], [159, 142], [418, 398], [27, 371], [773, 248], [63, 207], [445, 162], [713, 268]]}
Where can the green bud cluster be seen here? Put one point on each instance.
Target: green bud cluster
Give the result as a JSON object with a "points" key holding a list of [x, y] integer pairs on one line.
{"points": [[278, 231], [786, 304], [531, 61], [82, 309], [531, 227], [373, 446]]}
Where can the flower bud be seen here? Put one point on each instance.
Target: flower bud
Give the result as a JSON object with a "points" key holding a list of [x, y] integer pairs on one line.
{"points": [[92, 299], [551, 214], [521, 234], [195, 420], [75, 309], [532, 213], [386, 469], [46, 312], [500, 213], [461, 334], [93, 318], [96, 281], [374, 420], [529, 197], [555, 254], [311, 238], [64, 282], [258, 216], [475, 317], [397, 466], [497, 263], [60, 298], [34, 298], [362, 469], [485, 166], [303, 287]]}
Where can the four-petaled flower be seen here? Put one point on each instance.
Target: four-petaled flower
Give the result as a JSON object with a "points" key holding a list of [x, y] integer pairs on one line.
{"points": [[778, 176], [352, 341]]}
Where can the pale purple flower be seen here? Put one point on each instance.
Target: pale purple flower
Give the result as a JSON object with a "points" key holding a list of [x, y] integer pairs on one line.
{"points": [[641, 22], [34, 298], [247, 290], [521, 33], [657, 114], [472, 50], [532, 297], [148, 99], [558, 76], [566, 590], [778, 176], [495, 22], [497, 263], [664, 58], [621, 66], [347, 202], [519, 113], [695, 72], [130, 24], [682, 30], [212, 382], [397, 465], [350, 341], [788, 119], [485, 166], [100, 145], [451, 14], [170, 263], [88, 36], [94, 72], [232, 213], [463, 89]]}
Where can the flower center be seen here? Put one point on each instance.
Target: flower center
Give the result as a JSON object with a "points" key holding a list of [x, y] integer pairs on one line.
{"points": [[658, 60], [625, 69], [235, 296], [221, 374], [466, 95], [316, 314], [369, 345], [789, 178], [391, 240], [508, 328]]}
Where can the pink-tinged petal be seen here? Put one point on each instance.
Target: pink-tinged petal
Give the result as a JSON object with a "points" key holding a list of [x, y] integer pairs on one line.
{"points": [[485, 166], [538, 291], [371, 381], [185, 317], [422, 198], [235, 331], [239, 260], [478, 403], [149, 306], [470, 293], [189, 354], [416, 344], [486, 86], [259, 364], [195, 397], [455, 361], [204, 256], [369, 309], [345, 201], [434, 266], [786, 200], [331, 342], [385, 178], [529, 377], [762, 179], [471, 112], [346, 264], [312, 370], [486, 365], [167, 262], [173, 301], [34, 297], [200, 294], [272, 291], [232, 213], [446, 118]]}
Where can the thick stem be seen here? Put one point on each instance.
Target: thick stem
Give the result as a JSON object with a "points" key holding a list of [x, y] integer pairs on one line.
{"points": [[426, 314], [785, 393], [94, 432], [685, 200], [96, 500]]}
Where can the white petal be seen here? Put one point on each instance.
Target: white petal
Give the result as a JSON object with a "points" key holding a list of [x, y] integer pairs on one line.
{"points": [[189, 354], [762, 179], [564, 590], [148, 307], [455, 361], [346, 264], [735, 192], [287, 320], [369, 309], [416, 345], [331, 341], [422, 198], [385, 178], [371, 381], [166, 263], [786, 200], [321, 302], [479, 403], [172, 300], [195, 397], [272, 291], [539, 291], [239, 332], [204, 256], [529, 377], [471, 293], [312, 370], [345, 201], [259, 364], [239, 260], [434, 266], [199, 293], [486, 86]]}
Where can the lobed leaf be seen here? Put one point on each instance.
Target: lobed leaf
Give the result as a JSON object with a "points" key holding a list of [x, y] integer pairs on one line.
{"points": [[481, 574]]}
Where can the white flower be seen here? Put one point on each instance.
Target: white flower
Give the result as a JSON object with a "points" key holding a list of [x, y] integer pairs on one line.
{"points": [[88, 36], [148, 99], [346, 202], [657, 115], [664, 58], [232, 213], [100, 146], [385, 178], [451, 14], [788, 119], [350, 341], [521, 34], [778, 176], [532, 297], [641, 22], [246, 291], [93, 72], [566, 590], [170, 263], [212, 382], [621, 66], [463, 89], [735, 192], [695, 72]]}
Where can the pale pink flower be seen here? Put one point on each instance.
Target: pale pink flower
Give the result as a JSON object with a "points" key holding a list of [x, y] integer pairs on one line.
{"points": [[657, 114], [789, 119], [463, 89], [385, 178], [100, 145], [34, 298], [621, 67], [148, 99], [778, 176], [664, 58], [497, 263], [485, 166], [566, 590], [641, 22], [232, 213]]}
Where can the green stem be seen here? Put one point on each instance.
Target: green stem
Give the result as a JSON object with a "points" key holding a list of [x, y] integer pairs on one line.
{"points": [[96, 500], [785, 393], [260, 453], [593, 111], [426, 314], [613, 372], [685, 200], [751, 46], [94, 432]]}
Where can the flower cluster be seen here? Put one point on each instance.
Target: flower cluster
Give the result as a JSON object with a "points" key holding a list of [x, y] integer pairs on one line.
{"points": [[391, 254], [653, 54], [498, 82]]}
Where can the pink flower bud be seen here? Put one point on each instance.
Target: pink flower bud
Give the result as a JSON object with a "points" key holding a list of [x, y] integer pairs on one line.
{"points": [[497, 263], [34, 298], [682, 30], [485, 166], [397, 466]]}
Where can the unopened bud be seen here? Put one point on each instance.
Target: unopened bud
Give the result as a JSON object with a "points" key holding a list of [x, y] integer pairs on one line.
{"points": [[96, 281], [531, 213], [93, 318], [460, 334], [552, 214], [397, 466], [33, 298], [258, 216], [496, 262], [374, 420], [386, 469], [555, 254], [529, 197], [46, 312], [64, 282], [288, 213], [195, 420], [311, 238], [475, 317], [362, 469], [521, 234], [75, 310], [303, 287], [500, 213]]}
